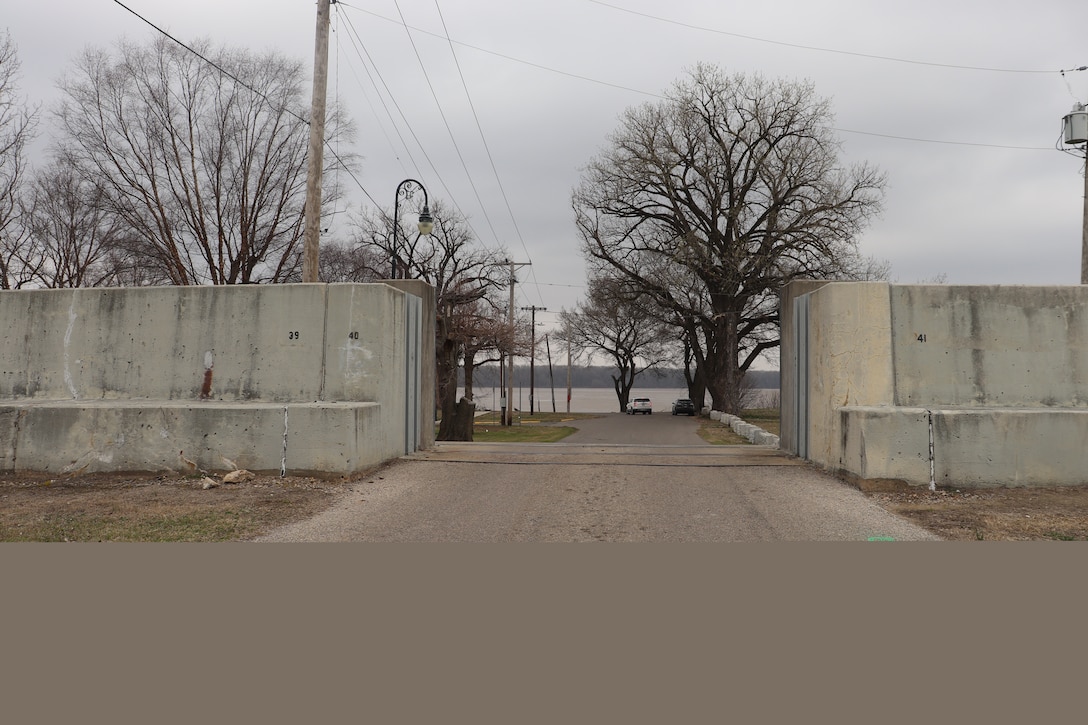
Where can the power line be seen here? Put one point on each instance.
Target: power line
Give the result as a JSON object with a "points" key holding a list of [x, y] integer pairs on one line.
{"points": [[483, 138], [446, 122], [251, 89], [411, 130], [215, 65], [817, 48], [510, 58], [360, 50], [660, 96], [949, 143]]}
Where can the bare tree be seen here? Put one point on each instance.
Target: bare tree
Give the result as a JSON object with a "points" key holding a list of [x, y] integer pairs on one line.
{"points": [[70, 232], [204, 170], [464, 277], [349, 263], [485, 334], [612, 322], [712, 200], [17, 124]]}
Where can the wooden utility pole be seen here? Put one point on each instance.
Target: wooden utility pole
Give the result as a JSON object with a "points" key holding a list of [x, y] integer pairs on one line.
{"points": [[532, 351], [509, 418], [551, 373], [568, 374], [311, 234]]}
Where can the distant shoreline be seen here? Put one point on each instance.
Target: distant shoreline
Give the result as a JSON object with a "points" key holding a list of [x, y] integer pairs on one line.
{"points": [[592, 399]]}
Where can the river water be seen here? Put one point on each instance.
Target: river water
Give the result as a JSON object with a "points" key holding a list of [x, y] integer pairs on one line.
{"points": [[592, 400]]}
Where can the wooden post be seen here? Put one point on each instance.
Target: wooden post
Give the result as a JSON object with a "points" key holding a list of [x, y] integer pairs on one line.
{"points": [[532, 359], [510, 358], [311, 235]]}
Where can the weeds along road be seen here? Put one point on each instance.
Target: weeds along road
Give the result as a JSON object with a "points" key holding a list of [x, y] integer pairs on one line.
{"points": [[619, 478]]}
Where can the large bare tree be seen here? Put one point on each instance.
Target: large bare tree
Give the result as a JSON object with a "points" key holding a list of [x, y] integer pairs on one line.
{"points": [[202, 166], [17, 123], [713, 199]]}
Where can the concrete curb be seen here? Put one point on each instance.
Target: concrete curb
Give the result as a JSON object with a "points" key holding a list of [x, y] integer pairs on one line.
{"points": [[753, 433]]}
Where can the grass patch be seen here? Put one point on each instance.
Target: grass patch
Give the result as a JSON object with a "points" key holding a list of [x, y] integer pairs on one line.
{"points": [[539, 427], [494, 418], [208, 525], [769, 419], [717, 434], [520, 433]]}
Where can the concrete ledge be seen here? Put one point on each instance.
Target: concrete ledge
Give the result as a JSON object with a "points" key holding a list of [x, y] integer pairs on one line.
{"points": [[147, 435], [972, 447]]}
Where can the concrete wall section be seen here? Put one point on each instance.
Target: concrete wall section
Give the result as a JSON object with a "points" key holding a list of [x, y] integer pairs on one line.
{"points": [[996, 377], [993, 346], [880, 443], [152, 378], [64, 438], [850, 360], [257, 343], [427, 392], [1011, 447], [365, 354], [791, 365]]}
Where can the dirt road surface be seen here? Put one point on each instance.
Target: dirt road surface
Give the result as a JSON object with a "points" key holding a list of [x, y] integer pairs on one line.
{"points": [[619, 478]]}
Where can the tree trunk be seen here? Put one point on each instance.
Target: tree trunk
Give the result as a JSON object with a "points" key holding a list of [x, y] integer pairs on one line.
{"points": [[693, 373], [719, 364], [470, 369], [457, 421], [623, 384], [453, 426]]}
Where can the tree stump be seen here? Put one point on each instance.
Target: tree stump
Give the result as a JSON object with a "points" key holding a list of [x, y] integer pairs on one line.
{"points": [[458, 427]]}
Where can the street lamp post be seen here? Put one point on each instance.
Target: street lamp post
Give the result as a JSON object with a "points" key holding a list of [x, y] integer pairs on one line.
{"points": [[425, 225]]}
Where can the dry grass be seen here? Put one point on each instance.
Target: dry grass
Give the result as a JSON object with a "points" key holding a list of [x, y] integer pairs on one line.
{"points": [[993, 514], [717, 434], [720, 434], [135, 507]]}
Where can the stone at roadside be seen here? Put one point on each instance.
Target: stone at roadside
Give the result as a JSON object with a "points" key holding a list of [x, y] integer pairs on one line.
{"points": [[239, 476]]}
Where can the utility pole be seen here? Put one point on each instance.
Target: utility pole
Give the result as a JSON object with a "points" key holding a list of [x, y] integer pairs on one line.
{"points": [[502, 387], [551, 373], [1075, 132], [532, 352], [508, 419], [568, 374], [311, 235], [1084, 227]]}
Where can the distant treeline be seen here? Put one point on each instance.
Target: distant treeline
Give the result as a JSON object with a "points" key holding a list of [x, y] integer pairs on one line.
{"points": [[600, 376]]}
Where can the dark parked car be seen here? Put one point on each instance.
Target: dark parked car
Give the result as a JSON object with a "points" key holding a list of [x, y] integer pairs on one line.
{"points": [[683, 406]]}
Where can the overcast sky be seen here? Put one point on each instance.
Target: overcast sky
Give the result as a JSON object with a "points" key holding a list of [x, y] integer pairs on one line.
{"points": [[980, 195]]}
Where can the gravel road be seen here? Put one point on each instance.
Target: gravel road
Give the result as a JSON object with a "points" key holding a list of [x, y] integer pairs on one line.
{"points": [[620, 478]]}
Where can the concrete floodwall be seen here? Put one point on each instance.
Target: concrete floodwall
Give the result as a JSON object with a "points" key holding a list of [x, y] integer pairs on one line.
{"points": [[990, 346], [956, 385], [311, 377]]}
